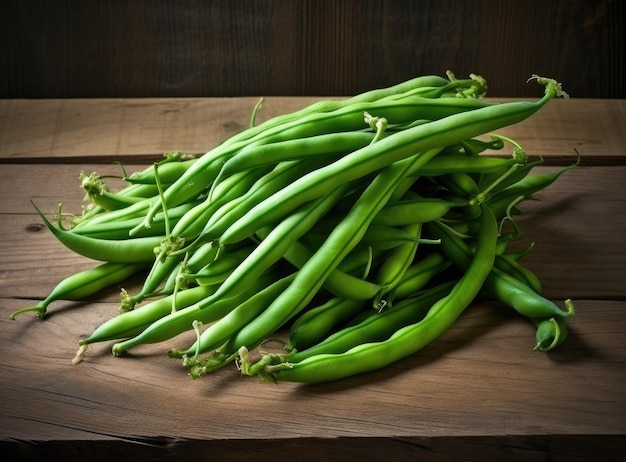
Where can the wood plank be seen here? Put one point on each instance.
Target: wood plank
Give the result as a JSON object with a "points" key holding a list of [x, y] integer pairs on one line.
{"points": [[560, 448], [300, 48], [481, 378], [107, 130], [564, 127], [478, 392], [576, 224], [118, 127]]}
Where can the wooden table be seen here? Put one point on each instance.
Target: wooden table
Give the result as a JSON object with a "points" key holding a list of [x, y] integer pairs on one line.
{"points": [[479, 392]]}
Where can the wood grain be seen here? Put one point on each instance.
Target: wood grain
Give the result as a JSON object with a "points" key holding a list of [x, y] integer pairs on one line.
{"points": [[480, 379], [307, 48], [479, 392], [142, 130]]}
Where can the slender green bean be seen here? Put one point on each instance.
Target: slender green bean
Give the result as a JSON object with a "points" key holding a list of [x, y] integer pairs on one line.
{"points": [[138, 250], [84, 284]]}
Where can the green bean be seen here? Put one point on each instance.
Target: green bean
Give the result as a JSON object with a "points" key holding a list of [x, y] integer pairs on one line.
{"points": [[345, 116], [460, 184], [475, 87], [475, 146], [312, 325], [138, 250], [501, 200], [407, 340], [274, 245], [84, 284], [523, 299], [168, 172], [417, 276], [144, 191], [131, 212], [191, 225], [324, 106], [551, 332], [450, 163], [382, 237], [395, 265], [486, 179], [327, 144], [220, 269], [512, 267], [396, 91], [415, 210], [201, 256], [346, 119], [174, 282], [159, 272], [188, 186]]}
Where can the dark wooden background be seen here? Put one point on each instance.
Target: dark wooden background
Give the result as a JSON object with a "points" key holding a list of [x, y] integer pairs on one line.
{"points": [[137, 48]]}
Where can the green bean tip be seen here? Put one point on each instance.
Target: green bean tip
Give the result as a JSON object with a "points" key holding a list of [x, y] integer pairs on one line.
{"points": [[80, 354]]}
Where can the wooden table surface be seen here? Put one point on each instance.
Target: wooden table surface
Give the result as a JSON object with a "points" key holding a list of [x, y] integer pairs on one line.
{"points": [[480, 392]]}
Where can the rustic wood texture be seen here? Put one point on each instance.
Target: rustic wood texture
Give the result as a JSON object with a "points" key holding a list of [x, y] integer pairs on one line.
{"points": [[478, 393], [68, 49], [145, 128]]}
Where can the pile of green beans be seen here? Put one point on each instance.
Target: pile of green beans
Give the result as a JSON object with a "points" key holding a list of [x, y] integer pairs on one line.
{"points": [[356, 231]]}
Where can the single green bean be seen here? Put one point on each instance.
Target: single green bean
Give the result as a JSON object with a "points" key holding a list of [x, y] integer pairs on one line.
{"points": [[396, 264], [311, 326], [415, 210], [84, 284], [513, 267], [417, 276], [221, 267], [551, 333], [137, 250], [168, 172], [450, 163], [327, 144]]}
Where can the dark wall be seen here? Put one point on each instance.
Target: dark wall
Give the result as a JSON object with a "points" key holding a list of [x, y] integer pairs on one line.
{"points": [[128, 48]]}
